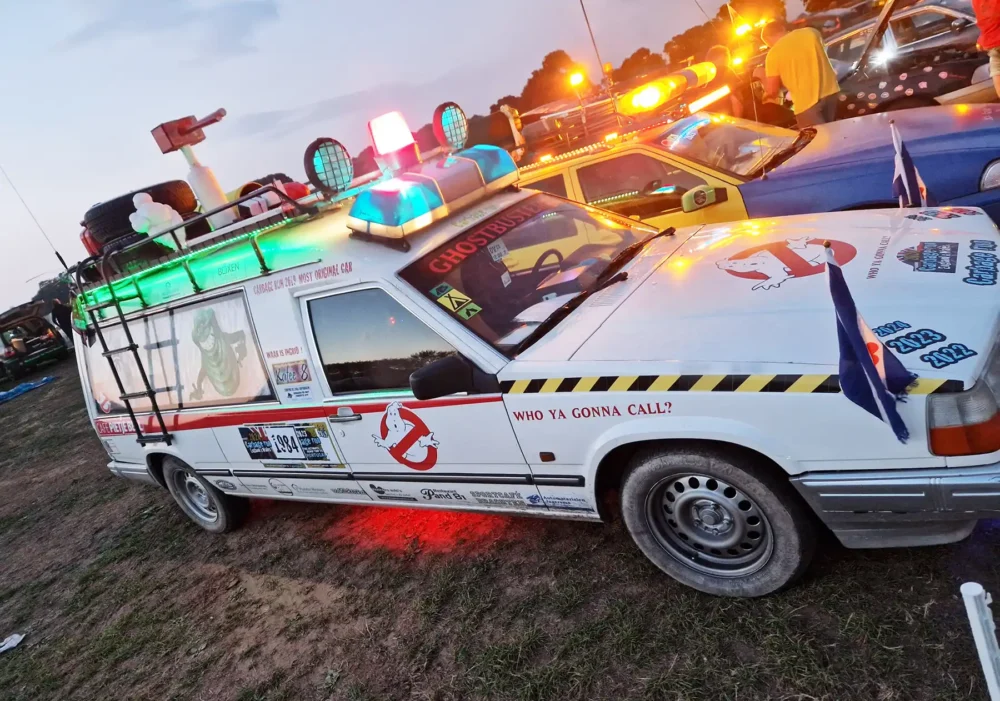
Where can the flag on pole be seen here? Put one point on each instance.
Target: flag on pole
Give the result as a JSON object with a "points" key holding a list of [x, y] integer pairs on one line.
{"points": [[907, 184], [870, 375]]}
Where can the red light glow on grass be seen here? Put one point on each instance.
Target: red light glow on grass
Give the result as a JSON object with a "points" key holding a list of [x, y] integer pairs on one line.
{"points": [[399, 530]]}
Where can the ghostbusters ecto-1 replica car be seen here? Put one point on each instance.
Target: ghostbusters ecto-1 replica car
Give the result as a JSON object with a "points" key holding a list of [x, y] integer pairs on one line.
{"points": [[438, 337]]}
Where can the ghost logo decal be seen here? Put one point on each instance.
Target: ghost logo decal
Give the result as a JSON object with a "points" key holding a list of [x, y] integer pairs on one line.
{"points": [[774, 263], [407, 439]]}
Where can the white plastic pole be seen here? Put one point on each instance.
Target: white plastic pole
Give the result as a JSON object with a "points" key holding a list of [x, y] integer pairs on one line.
{"points": [[977, 605], [211, 195]]}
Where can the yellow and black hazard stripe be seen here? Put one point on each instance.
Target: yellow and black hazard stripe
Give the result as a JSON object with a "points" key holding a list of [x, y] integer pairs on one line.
{"points": [[805, 384]]}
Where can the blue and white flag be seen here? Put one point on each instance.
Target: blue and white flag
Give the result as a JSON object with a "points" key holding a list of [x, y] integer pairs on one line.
{"points": [[907, 184], [870, 375]]}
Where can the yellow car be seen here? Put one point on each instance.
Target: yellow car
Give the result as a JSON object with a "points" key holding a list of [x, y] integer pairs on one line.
{"points": [[672, 175]]}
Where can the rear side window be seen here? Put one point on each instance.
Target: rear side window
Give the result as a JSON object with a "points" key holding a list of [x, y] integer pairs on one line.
{"points": [[554, 185], [919, 26], [201, 355], [849, 49], [368, 342]]}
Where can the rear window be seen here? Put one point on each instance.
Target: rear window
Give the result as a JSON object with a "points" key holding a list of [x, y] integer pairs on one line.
{"points": [[202, 354]]}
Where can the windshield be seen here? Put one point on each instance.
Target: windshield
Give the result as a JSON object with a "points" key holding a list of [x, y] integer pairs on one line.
{"points": [[509, 273], [735, 145]]}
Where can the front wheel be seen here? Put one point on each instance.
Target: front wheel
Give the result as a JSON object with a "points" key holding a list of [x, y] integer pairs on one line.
{"points": [[717, 522], [202, 502]]}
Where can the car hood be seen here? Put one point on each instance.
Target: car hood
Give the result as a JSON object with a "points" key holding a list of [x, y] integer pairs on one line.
{"points": [[930, 134], [754, 297]]}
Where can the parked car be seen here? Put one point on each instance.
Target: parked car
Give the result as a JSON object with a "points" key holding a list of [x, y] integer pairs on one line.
{"points": [[846, 165], [28, 340], [921, 55]]}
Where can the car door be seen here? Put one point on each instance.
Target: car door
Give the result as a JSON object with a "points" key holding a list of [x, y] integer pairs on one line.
{"points": [[458, 451], [643, 182], [923, 28]]}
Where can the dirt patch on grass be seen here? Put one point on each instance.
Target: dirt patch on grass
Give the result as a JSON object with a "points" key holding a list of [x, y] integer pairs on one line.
{"points": [[121, 597]]}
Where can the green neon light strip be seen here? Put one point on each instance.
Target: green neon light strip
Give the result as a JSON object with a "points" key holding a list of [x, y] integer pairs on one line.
{"points": [[283, 245]]}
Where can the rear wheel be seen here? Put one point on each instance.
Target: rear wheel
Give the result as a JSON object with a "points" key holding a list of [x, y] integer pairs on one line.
{"points": [[717, 522], [201, 501]]}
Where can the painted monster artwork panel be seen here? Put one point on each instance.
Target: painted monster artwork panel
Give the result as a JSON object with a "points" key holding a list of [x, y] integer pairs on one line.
{"points": [[201, 354]]}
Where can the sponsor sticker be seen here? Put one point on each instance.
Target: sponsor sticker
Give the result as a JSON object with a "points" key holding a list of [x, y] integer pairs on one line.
{"points": [[305, 441], [291, 372], [390, 493], [931, 257]]}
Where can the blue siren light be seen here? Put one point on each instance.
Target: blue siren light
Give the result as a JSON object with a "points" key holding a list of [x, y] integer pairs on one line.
{"points": [[430, 191]]}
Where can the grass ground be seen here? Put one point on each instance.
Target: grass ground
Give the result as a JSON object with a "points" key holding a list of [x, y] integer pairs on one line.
{"points": [[121, 597]]}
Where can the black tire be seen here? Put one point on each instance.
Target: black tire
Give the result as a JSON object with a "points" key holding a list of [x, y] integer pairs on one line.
{"points": [[760, 537], [201, 501], [108, 221]]}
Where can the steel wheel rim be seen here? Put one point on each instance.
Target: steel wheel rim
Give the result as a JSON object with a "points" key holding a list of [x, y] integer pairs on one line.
{"points": [[193, 494], [709, 525]]}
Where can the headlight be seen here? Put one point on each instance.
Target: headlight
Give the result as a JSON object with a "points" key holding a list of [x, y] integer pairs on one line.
{"points": [[991, 178], [968, 423]]}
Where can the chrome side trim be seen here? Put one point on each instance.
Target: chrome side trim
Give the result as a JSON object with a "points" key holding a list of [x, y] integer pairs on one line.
{"points": [[898, 508]]}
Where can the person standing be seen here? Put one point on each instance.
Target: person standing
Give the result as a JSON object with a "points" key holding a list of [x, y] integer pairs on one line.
{"points": [[738, 103], [798, 60], [63, 316], [988, 20]]}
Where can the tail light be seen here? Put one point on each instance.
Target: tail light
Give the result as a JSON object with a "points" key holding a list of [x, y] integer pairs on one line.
{"points": [[50, 334], [87, 239], [9, 352], [968, 423]]}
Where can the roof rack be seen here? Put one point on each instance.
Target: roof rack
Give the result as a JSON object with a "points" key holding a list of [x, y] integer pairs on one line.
{"points": [[117, 275]]}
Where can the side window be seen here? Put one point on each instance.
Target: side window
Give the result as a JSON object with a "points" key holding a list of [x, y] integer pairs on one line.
{"points": [[554, 185], [368, 342], [919, 26], [849, 48], [635, 183]]}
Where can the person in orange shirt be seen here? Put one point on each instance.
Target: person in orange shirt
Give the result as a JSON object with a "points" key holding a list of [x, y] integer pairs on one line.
{"points": [[988, 19]]}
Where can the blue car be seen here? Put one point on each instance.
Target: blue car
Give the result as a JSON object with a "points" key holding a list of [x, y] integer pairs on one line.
{"points": [[850, 164], [709, 168]]}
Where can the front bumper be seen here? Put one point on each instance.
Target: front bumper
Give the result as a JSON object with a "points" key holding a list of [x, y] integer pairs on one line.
{"points": [[901, 508]]}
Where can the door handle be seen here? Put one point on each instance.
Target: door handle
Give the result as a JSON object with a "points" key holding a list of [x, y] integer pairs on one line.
{"points": [[343, 415]]}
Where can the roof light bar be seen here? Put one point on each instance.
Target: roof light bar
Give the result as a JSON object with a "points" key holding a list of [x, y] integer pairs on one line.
{"points": [[711, 98], [431, 191]]}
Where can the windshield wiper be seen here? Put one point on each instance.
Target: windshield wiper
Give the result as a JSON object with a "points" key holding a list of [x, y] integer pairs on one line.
{"points": [[628, 253], [805, 136], [564, 311]]}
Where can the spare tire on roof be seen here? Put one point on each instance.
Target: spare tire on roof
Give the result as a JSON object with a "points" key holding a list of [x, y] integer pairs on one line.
{"points": [[108, 221]]}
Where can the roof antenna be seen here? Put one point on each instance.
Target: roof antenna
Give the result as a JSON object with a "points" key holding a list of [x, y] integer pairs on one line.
{"points": [[756, 119], [33, 218], [614, 102]]}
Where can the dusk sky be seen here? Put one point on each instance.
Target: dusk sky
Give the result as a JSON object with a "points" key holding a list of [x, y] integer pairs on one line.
{"points": [[86, 80]]}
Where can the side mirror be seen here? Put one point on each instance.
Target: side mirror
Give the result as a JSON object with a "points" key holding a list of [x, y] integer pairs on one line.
{"points": [[451, 374], [703, 196], [959, 24]]}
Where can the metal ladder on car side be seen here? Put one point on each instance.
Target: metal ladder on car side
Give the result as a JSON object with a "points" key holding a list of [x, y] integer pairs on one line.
{"points": [[149, 392]]}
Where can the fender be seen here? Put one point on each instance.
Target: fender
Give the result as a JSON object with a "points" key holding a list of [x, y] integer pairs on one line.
{"points": [[688, 428]]}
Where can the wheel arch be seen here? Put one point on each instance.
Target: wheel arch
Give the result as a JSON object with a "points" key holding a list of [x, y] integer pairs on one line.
{"points": [[154, 464], [610, 463]]}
